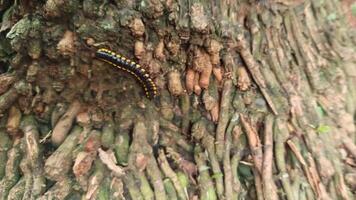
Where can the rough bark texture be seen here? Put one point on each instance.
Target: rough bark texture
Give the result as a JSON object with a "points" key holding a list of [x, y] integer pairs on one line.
{"points": [[256, 100]]}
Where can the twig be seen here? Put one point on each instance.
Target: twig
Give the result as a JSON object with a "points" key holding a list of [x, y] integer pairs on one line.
{"points": [[269, 188], [308, 174], [168, 171], [258, 184], [254, 69], [206, 186], [12, 173], [280, 137], [223, 118], [254, 142], [34, 155]]}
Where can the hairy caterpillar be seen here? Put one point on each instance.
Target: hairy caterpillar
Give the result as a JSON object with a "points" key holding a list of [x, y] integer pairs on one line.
{"points": [[131, 67]]}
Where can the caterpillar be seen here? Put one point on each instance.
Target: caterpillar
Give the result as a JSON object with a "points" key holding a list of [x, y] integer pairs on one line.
{"points": [[131, 67]]}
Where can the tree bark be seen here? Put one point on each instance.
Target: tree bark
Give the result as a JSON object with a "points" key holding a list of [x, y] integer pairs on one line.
{"points": [[256, 100]]}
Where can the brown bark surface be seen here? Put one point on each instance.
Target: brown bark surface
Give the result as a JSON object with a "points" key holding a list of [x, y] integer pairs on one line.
{"points": [[256, 100]]}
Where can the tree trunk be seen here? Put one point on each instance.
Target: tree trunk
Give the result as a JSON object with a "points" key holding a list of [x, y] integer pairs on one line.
{"points": [[255, 99]]}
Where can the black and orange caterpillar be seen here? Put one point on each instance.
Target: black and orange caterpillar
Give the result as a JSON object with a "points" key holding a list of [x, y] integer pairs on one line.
{"points": [[131, 67]]}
